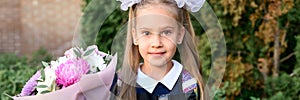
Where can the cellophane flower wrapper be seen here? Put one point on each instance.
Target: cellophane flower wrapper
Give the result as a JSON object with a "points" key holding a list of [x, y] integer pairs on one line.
{"points": [[91, 85]]}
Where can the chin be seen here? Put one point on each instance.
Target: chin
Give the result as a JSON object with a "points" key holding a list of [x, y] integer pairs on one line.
{"points": [[161, 62]]}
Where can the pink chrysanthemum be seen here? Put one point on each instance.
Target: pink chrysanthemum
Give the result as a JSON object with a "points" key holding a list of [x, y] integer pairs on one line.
{"points": [[30, 84], [71, 71]]}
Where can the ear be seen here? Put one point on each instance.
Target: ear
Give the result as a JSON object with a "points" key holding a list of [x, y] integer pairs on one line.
{"points": [[134, 37], [181, 35]]}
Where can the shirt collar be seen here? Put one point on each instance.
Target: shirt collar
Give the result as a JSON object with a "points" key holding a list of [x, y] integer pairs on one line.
{"points": [[169, 79]]}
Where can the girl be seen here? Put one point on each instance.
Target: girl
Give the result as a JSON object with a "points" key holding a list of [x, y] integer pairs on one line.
{"points": [[155, 29]]}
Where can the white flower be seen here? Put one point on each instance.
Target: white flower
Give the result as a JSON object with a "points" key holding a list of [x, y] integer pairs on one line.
{"points": [[95, 51], [71, 54], [95, 61], [95, 58], [62, 59], [49, 81], [55, 64]]}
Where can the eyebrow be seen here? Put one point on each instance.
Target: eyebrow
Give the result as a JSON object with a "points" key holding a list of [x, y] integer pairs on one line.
{"points": [[168, 27], [144, 28]]}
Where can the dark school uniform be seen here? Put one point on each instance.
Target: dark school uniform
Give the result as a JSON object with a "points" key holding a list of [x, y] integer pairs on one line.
{"points": [[177, 84]]}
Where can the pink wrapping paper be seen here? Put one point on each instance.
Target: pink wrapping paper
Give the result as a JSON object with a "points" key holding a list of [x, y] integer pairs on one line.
{"points": [[90, 87]]}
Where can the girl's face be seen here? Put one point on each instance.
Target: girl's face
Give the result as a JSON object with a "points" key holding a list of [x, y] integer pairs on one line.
{"points": [[157, 33]]}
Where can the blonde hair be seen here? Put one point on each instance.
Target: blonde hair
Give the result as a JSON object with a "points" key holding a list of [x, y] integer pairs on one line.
{"points": [[187, 49]]}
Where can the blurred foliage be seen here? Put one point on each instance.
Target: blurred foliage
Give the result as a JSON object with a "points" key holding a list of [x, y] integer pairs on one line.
{"points": [[260, 44], [40, 55], [15, 71], [102, 40], [97, 21], [100, 24], [284, 87], [296, 71], [263, 61]]}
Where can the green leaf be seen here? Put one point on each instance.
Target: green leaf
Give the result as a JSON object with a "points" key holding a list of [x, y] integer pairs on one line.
{"points": [[78, 54], [42, 86], [39, 80], [45, 64], [46, 91], [43, 74], [88, 52]]}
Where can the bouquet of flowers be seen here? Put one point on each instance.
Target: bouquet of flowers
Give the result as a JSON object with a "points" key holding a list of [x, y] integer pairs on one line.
{"points": [[79, 74]]}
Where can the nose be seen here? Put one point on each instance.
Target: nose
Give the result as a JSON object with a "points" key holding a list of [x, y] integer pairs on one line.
{"points": [[156, 41]]}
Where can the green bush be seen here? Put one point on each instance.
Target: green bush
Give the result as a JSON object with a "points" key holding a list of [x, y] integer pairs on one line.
{"points": [[15, 71], [284, 87]]}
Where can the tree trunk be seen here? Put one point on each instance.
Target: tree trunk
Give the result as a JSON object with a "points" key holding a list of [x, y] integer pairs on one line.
{"points": [[276, 56]]}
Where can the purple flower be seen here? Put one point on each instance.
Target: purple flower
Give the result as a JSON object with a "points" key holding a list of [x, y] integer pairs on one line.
{"points": [[30, 84], [71, 71]]}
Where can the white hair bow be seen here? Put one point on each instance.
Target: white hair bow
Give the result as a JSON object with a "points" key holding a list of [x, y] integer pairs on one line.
{"points": [[193, 5]]}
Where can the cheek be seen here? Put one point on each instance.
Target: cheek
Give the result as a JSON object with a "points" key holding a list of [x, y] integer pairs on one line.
{"points": [[142, 45], [171, 47], [172, 51], [142, 49]]}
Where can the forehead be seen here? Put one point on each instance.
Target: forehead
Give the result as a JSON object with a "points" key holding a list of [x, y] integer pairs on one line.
{"points": [[156, 9], [155, 16], [155, 21]]}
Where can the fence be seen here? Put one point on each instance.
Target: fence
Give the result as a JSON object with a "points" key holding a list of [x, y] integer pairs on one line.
{"points": [[27, 25]]}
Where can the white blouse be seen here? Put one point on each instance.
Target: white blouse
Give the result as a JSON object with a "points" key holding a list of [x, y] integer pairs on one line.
{"points": [[169, 79]]}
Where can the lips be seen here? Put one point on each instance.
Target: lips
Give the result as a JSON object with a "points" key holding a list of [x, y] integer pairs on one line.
{"points": [[156, 53]]}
